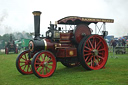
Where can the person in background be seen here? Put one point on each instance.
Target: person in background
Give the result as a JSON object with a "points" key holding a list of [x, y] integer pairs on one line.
{"points": [[123, 42], [119, 43], [114, 45]]}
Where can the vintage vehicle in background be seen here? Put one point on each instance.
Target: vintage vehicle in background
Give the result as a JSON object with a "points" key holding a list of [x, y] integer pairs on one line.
{"points": [[71, 46], [2, 44], [11, 46], [22, 44], [120, 49], [127, 43]]}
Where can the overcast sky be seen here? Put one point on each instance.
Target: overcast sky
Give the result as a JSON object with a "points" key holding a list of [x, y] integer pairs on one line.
{"points": [[16, 15]]}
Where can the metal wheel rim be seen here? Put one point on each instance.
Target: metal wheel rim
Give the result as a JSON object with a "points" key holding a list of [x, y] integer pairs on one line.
{"points": [[44, 64], [23, 63], [95, 52]]}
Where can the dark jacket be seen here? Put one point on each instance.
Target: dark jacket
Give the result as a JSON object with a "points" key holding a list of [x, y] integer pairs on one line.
{"points": [[114, 43]]}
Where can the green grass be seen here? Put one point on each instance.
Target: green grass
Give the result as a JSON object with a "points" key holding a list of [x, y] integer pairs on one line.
{"points": [[115, 73]]}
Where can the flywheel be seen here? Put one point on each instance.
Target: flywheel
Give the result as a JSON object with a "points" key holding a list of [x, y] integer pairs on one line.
{"points": [[80, 31]]}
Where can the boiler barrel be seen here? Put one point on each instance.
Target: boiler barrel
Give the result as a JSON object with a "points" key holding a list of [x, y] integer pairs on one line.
{"points": [[37, 45]]}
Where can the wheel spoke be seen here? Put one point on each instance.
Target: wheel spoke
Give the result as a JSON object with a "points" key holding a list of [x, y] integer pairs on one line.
{"points": [[91, 62], [37, 67], [98, 43], [89, 59], [50, 61], [95, 44], [43, 57], [28, 68], [41, 69], [50, 64], [46, 70], [24, 67], [99, 46], [22, 61], [92, 40], [47, 59], [23, 58], [38, 63], [101, 57], [97, 59], [101, 49], [38, 60], [97, 62], [91, 44], [100, 53], [88, 45], [87, 54], [87, 48]]}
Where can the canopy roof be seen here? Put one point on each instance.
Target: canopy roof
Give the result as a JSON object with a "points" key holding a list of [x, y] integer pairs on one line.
{"points": [[74, 20]]}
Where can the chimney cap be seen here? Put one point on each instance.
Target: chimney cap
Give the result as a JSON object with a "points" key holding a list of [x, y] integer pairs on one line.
{"points": [[36, 13]]}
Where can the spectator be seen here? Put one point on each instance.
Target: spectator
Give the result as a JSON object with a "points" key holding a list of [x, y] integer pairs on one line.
{"points": [[123, 42], [114, 45], [119, 43]]}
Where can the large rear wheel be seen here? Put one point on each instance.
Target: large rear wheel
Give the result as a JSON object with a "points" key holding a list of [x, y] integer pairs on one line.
{"points": [[93, 52], [43, 64]]}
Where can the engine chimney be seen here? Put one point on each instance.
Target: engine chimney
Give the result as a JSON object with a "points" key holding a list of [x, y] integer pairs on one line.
{"points": [[37, 24]]}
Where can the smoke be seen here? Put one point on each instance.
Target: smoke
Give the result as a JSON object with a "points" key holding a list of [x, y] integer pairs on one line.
{"points": [[117, 9], [4, 28], [20, 17], [3, 16], [20, 35]]}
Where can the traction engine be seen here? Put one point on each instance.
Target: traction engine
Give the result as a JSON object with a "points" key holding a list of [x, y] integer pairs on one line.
{"points": [[11, 46], [72, 47]]}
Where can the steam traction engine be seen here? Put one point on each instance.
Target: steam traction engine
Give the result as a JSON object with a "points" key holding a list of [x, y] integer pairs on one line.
{"points": [[71, 47], [11, 46]]}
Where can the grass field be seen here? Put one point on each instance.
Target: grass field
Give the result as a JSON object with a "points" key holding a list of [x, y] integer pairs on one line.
{"points": [[115, 73]]}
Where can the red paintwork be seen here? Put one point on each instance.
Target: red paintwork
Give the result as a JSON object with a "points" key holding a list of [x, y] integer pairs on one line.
{"points": [[64, 52], [92, 49], [44, 64], [50, 44], [82, 28], [78, 20], [92, 61], [23, 64], [65, 38], [62, 48]]}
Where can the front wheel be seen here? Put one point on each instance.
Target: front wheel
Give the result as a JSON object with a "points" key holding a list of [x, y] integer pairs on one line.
{"points": [[23, 63], [43, 64]]}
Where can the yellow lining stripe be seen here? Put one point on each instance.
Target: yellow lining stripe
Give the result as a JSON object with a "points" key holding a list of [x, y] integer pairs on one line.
{"points": [[45, 44]]}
